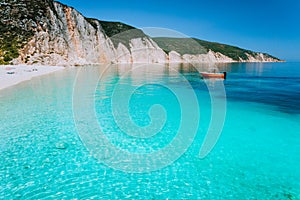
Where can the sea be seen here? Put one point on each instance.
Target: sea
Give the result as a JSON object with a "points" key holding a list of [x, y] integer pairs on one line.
{"points": [[153, 131]]}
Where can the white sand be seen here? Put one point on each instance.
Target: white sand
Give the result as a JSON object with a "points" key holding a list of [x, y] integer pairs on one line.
{"points": [[22, 73]]}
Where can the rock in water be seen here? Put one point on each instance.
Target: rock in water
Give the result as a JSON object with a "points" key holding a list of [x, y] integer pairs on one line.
{"points": [[61, 145]]}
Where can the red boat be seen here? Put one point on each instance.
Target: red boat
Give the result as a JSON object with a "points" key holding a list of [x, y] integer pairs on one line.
{"points": [[221, 75]]}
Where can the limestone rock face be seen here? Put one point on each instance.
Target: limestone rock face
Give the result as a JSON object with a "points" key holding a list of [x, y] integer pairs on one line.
{"points": [[175, 57], [50, 33], [67, 39], [144, 50], [210, 57], [123, 54], [260, 57]]}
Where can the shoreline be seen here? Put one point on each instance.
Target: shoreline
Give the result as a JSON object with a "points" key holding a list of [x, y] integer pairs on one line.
{"points": [[24, 72], [11, 75]]}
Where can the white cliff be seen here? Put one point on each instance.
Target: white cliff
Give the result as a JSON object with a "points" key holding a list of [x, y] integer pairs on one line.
{"points": [[260, 57], [175, 57], [144, 50], [63, 36], [210, 57], [71, 40]]}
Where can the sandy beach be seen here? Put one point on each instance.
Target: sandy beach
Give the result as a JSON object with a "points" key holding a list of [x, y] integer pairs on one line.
{"points": [[14, 74]]}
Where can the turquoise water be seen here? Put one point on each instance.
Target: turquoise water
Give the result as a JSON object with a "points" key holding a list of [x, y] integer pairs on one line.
{"points": [[256, 157]]}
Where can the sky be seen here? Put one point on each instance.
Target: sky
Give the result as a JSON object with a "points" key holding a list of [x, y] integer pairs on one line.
{"points": [[271, 26]]}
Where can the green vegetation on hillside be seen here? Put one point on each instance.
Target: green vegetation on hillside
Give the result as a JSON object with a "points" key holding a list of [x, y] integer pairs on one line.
{"points": [[180, 45], [11, 40], [231, 51], [22, 18], [196, 46], [18, 22], [121, 33], [114, 28]]}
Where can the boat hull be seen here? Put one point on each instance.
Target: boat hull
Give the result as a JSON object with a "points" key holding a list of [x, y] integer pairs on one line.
{"points": [[213, 75]]}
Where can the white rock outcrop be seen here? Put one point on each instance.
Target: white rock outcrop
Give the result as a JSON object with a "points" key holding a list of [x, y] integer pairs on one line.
{"points": [[68, 38], [210, 57], [175, 57], [65, 37]]}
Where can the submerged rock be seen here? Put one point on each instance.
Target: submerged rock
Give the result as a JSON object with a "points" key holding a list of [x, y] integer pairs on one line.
{"points": [[61, 145]]}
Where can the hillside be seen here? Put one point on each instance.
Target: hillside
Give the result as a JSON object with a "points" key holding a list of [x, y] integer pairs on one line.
{"points": [[196, 46], [121, 33], [17, 25], [50, 33]]}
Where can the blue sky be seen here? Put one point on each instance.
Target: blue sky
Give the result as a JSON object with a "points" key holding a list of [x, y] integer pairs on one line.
{"points": [[271, 26]]}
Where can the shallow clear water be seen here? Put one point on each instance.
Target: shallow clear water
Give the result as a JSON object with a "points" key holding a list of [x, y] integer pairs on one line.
{"points": [[256, 157]]}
